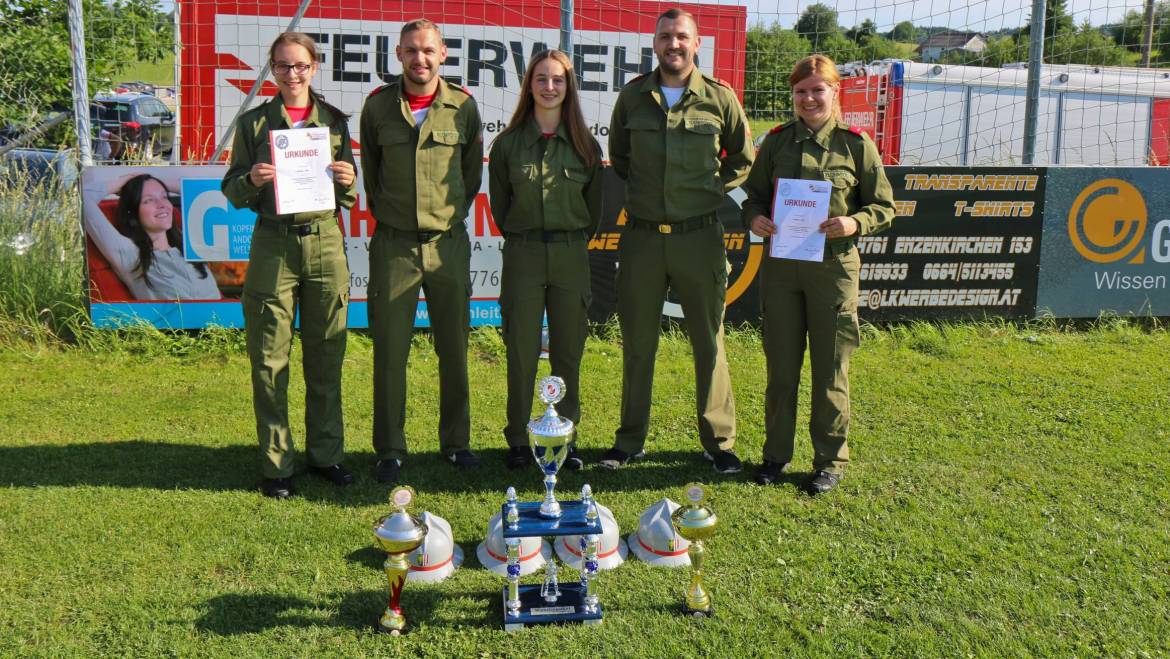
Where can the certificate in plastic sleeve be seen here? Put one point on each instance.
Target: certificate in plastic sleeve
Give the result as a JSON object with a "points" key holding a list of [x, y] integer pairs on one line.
{"points": [[304, 182], [798, 209]]}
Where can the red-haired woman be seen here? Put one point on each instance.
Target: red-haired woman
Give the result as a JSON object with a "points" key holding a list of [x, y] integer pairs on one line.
{"points": [[814, 300]]}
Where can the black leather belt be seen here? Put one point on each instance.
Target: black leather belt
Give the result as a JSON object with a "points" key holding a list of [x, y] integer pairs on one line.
{"points": [[682, 226], [539, 236], [286, 228], [418, 236]]}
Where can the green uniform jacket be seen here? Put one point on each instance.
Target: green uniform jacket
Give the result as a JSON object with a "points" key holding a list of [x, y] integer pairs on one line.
{"points": [[846, 158], [250, 146], [407, 170], [684, 159], [539, 184]]}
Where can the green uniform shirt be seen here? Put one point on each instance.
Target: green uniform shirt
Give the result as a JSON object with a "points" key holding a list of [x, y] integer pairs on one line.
{"points": [[541, 184], [678, 163], [847, 159], [250, 146], [421, 178]]}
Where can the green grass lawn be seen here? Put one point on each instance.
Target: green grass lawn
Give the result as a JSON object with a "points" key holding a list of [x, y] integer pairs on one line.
{"points": [[1008, 497], [156, 73]]}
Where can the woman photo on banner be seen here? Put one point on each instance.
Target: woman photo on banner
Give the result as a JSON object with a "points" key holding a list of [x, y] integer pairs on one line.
{"points": [[545, 182], [814, 300], [142, 242], [297, 264]]}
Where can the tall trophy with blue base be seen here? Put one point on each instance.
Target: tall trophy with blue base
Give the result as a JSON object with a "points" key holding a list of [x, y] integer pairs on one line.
{"points": [[549, 436]]}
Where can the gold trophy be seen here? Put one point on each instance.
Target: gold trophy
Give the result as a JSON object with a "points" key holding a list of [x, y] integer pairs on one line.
{"points": [[397, 534], [696, 522]]}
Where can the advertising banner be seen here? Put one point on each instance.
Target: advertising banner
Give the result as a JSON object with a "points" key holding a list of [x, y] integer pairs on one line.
{"points": [[211, 237], [488, 45], [965, 244], [1106, 243]]}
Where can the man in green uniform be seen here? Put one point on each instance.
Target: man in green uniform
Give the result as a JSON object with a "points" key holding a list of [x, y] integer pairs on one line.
{"points": [[816, 300], [422, 165], [680, 140]]}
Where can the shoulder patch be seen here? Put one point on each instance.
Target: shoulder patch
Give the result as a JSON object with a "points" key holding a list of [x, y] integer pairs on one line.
{"points": [[462, 89], [856, 130], [779, 128], [378, 89]]}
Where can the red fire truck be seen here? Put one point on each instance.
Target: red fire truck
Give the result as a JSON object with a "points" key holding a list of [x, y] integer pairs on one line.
{"points": [[937, 114]]}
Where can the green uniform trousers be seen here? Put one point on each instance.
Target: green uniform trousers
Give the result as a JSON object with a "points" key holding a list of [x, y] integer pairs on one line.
{"points": [[399, 265], [694, 265], [290, 272], [817, 300], [537, 276]]}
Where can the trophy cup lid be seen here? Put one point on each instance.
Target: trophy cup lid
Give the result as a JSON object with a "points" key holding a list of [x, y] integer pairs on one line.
{"points": [[400, 528], [551, 424]]}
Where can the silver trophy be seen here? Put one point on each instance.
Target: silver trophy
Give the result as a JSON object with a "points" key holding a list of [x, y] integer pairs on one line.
{"points": [[549, 435]]}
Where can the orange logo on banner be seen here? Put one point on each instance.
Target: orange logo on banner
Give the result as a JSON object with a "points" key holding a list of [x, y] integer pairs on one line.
{"points": [[1107, 221]]}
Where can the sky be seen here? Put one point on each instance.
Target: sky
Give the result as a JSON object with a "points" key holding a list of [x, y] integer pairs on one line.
{"points": [[969, 15]]}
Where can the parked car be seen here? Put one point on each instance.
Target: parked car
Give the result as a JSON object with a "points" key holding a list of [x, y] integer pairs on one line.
{"points": [[131, 125], [32, 168]]}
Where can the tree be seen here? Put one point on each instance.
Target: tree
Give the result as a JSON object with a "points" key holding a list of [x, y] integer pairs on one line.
{"points": [[1085, 45], [1056, 20], [904, 32], [35, 64], [1130, 32], [817, 23], [861, 32], [771, 54]]}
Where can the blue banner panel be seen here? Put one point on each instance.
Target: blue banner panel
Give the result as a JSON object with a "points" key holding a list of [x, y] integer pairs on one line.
{"points": [[214, 229], [229, 313], [1106, 243]]}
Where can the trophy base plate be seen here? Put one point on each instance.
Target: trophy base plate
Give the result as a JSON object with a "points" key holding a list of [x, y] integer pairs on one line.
{"points": [[535, 611], [571, 521], [698, 613]]}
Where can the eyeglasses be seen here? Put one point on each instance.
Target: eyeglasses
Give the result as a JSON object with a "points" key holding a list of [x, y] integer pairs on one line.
{"points": [[279, 68]]}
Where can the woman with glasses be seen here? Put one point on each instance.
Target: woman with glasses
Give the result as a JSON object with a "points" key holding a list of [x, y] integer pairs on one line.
{"points": [[297, 264]]}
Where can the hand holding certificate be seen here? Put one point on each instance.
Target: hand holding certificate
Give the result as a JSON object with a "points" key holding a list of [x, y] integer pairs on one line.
{"points": [[798, 209], [304, 180]]}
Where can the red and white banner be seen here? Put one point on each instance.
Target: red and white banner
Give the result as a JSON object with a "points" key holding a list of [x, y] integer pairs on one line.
{"points": [[488, 45]]}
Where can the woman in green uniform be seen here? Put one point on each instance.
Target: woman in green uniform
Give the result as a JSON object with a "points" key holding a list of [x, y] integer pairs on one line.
{"points": [[545, 183], [807, 299], [297, 264]]}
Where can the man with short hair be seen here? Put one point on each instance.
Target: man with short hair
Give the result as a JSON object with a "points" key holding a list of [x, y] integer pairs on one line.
{"points": [[422, 163], [689, 138]]}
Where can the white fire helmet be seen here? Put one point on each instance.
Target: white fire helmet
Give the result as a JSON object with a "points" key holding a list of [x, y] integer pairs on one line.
{"points": [[656, 541], [438, 556], [534, 551], [611, 550]]}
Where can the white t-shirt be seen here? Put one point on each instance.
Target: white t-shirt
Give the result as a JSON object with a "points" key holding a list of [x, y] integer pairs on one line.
{"points": [[420, 115]]}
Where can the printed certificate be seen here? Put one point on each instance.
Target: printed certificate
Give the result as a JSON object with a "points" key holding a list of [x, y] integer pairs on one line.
{"points": [[799, 208], [304, 181]]}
